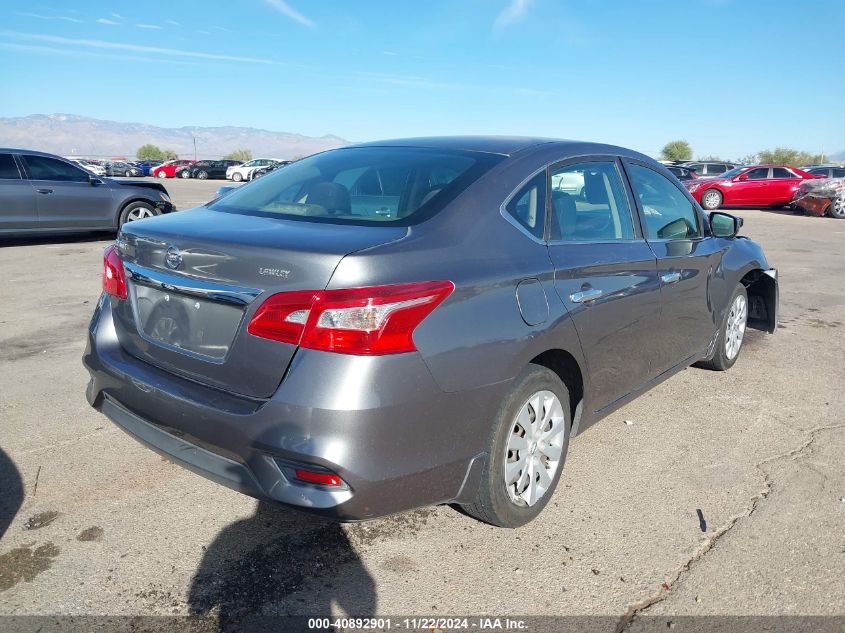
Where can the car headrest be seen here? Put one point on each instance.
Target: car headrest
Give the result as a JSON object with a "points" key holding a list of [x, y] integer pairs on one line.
{"points": [[333, 197], [594, 190]]}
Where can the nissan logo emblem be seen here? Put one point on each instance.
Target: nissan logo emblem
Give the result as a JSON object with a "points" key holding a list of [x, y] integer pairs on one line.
{"points": [[173, 257]]}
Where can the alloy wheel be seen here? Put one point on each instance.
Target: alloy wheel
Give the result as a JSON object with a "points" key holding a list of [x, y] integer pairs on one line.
{"points": [[711, 200], [534, 448], [139, 213], [735, 330]]}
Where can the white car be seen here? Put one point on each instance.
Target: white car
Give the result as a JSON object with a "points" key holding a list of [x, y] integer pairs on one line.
{"points": [[97, 170], [569, 182], [242, 171]]}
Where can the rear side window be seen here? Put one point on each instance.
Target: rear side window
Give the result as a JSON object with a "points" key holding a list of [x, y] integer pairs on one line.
{"points": [[589, 204], [8, 168], [45, 168], [717, 169], [667, 212], [838, 173], [363, 185], [528, 206], [780, 172]]}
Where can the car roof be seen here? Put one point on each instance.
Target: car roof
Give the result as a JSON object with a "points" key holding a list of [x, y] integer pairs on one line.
{"points": [[34, 152], [505, 145]]}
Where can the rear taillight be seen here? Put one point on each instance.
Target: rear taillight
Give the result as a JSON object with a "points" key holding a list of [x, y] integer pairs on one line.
{"points": [[318, 477], [114, 277], [365, 321]]}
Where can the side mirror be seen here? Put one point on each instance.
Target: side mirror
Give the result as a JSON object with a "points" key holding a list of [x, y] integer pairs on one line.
{"points": [[94, 181], [724, 224], [742, 177]]}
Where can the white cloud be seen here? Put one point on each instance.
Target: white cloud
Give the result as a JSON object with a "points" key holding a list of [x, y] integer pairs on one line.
{"points": [[118, 16], [39, 16], [284, 8], [134, 48], [515, 10], [173, 22], [108, 22], [64, 52], [149, 26]]}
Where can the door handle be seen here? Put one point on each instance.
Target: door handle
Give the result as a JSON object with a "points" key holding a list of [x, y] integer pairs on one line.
{"points": [[44, 191], [585, 295], [670, 278]]}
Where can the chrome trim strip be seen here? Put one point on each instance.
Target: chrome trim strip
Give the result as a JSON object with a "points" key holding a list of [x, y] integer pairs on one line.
{"points": [[194, 287]]}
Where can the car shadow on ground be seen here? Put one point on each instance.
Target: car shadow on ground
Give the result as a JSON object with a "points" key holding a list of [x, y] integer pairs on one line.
{"points": [[11, 492], [38, 240], [249, 573]]}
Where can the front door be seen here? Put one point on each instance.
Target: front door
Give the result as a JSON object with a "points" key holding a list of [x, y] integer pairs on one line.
{"points": [[686, 262], [605, 274], [65, 196], [750, 187]]}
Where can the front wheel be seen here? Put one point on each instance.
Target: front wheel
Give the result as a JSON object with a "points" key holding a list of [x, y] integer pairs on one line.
{"points": [[136, 211], [836, 208], [186, 174], [237, 176], [161, 174], [731, 334], [711, 200], [526, 450], [203, 175]]}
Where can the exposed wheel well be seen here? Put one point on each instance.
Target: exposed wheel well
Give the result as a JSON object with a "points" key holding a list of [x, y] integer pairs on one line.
{"points": [[762, 300], [566, 367]]}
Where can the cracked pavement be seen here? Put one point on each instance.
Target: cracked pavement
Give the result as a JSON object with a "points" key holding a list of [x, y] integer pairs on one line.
{"points": [[724, 496]]}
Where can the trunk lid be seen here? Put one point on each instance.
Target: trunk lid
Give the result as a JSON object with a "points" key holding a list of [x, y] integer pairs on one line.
{"points": [[195, 279]]}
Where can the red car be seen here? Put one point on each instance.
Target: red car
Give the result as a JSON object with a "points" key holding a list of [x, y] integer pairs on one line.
{"points": [[168, 169], [755, 186]]}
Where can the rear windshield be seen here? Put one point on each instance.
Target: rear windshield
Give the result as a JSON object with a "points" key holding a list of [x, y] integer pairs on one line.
{"points": [[366, 185]]}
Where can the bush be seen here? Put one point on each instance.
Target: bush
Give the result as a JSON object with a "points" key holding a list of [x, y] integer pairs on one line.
{"points": [[788, 156], [239, 154]]}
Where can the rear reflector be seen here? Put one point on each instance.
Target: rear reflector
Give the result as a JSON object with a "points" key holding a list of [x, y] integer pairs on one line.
{"points": [[321, 478], [114, 277], [364, 321]]}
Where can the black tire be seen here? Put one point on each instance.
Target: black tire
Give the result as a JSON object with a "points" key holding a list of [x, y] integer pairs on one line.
{"points": [[237, 176], [185, 173], [202, 175], [836, 209], [126, 215], [128, 174], [720, 360], [492, 503], [710, 201]]}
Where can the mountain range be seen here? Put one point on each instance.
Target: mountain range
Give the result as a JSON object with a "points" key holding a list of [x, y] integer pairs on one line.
{"points": [[70, 134]]}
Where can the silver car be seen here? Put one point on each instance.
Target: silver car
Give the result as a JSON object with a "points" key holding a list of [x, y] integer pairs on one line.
{"points": [[415, 322]]}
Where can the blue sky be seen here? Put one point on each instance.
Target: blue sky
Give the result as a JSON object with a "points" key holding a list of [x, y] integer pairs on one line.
{"points": [[730, 76]]}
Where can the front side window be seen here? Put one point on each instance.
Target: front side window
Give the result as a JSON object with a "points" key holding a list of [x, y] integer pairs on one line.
{"points": [[8, 168], [780, 172], [761, 173], [528, 206], [667, 212], [589, 204], [45, 168], [363, 185]]}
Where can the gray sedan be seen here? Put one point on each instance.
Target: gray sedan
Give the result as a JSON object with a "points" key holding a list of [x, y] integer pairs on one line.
{"points": [[414, 322], [43, 193]]}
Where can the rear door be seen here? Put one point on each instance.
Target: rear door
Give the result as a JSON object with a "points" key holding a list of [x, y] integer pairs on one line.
{"points": [[65, 196], [782, 185], [686, 261], [17, 197], [605, 274]]}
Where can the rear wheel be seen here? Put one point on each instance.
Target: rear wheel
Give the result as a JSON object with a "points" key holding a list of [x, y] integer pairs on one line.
{"points": [[731, 334], [237, 176], [128, 173], [526, 450], [137, 211], [836, 208], [711, 199]]}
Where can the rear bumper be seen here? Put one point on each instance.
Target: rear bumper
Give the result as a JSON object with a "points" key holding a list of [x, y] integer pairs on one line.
{"points": [[381, 423]]}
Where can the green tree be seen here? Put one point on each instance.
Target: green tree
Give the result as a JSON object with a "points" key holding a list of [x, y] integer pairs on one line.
{"points": [[676, 150], [169, 154], [149, 152], [712, 158], [788, 156], [749, 159], [239, 154]]}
